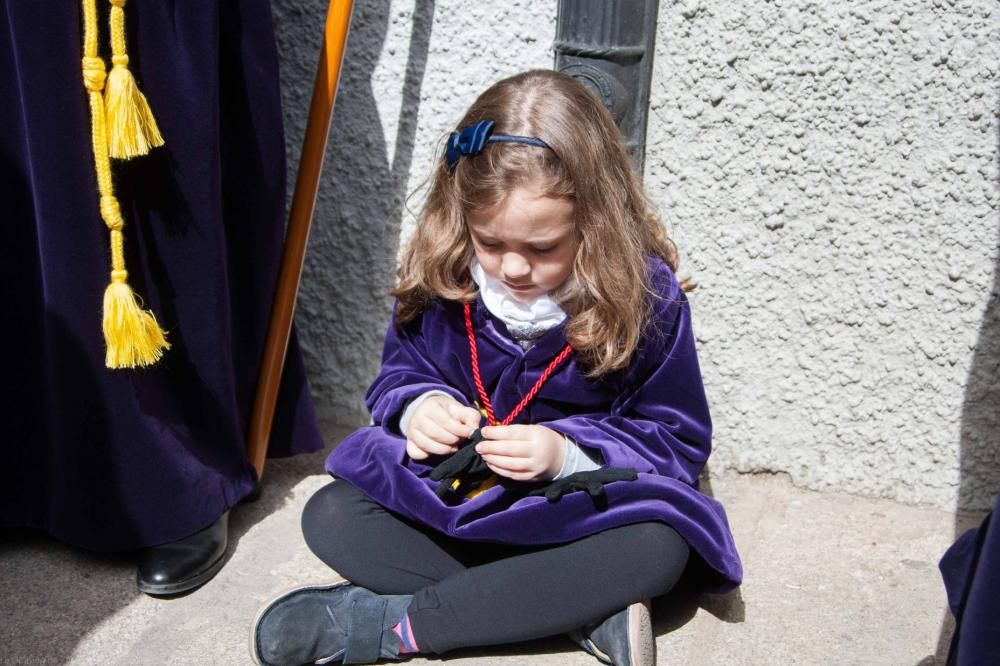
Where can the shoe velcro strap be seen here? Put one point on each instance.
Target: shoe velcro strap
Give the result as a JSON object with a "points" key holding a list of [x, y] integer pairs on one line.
{"points": [[364, 639]]}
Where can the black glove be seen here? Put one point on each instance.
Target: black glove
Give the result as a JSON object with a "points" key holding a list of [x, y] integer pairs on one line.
{"points": [[465, 466], [592, 481]]}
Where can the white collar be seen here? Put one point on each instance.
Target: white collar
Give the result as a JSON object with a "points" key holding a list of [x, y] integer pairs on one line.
{"points": [[541, 312]]}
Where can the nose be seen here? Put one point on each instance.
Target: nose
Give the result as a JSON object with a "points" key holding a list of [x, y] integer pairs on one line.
{"points": [[515, 267]]}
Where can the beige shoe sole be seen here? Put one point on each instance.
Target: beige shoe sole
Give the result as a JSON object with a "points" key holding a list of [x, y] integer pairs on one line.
{"points": [[642, 643]]}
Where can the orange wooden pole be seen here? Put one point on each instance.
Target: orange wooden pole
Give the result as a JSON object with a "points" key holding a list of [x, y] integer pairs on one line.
{"points": [[338, 22]]}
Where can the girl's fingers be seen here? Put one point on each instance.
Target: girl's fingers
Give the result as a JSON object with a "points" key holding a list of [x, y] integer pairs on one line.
{"points": [[456, 428], [508, 463], [520, 431], [504, 447], [442, 417], [414, 451], [467, 416], [428, 445], [438, 431], [511, 474]]}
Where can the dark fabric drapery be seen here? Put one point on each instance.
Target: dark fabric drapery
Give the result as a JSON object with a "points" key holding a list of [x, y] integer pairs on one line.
{"points": [[118, 459], [971, 571]]}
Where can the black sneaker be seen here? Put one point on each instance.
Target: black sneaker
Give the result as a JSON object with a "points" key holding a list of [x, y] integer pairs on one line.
{"points": [[624, 639], [327, 623]]}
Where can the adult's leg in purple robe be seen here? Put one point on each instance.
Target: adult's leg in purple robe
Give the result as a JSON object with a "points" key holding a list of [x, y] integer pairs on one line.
{"points": [[123, 459], [971, 571]]}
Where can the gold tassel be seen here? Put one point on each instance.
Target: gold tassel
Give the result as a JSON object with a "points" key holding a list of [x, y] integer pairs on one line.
{"points": [[132, 336], [132, 130]]}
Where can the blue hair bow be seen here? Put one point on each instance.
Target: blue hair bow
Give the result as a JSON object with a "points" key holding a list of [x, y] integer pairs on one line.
{"points": [[472, 140]]}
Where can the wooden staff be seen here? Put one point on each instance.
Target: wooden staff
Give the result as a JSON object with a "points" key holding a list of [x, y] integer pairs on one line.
{"points": [[338, 21]]}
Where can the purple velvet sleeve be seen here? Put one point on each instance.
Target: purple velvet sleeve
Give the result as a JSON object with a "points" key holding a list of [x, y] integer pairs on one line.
{"points": [[660, 424], [406, 372]]}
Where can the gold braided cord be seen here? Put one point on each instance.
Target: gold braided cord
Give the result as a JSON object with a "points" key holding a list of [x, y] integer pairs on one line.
{"points": [[132, 130], [117, 21], [90, 34], [131, 334]]}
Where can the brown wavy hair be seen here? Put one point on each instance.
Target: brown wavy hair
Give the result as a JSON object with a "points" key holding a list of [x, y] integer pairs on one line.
{"points": [[607, 294]]}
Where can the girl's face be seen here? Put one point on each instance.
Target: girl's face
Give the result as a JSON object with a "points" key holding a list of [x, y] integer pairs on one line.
{"points": [[527, 242]]}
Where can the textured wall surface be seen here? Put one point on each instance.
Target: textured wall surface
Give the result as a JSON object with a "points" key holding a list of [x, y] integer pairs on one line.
{"points": [[829, 171], [411, 68]]}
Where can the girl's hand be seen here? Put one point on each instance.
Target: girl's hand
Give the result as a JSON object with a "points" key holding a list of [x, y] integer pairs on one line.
{"points": [[523, 452], [438, 424]]}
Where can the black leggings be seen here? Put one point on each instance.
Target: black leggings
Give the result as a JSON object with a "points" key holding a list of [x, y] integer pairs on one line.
{"points": [[468, 593]]}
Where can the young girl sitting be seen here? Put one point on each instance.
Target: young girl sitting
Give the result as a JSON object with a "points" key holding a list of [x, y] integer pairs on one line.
{"points": [[539, 420]]}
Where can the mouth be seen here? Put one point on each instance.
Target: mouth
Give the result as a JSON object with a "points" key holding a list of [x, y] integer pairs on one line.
{"points": [[518, 287]]}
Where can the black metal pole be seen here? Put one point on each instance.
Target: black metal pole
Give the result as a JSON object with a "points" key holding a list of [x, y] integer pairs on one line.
{"points": [[608, 45]]}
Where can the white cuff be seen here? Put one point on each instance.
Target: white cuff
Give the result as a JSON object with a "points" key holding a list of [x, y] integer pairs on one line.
{"points": [[577, 460], [404, 420]]}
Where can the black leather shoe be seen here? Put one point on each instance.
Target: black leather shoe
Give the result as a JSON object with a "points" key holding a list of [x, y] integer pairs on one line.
{"points": [[183, 565], [624, 639]]}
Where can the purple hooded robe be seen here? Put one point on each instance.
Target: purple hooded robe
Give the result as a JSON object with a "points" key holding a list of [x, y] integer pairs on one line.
{"points": [[652, 417], [122, 459], [971, 572]]}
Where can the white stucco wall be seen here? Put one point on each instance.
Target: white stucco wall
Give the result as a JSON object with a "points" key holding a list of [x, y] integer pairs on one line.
{"points": [[387, 124], [829, 171]]}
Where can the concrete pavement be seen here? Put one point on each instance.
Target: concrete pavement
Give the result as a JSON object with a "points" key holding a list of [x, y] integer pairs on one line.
{"points": [[830, 579]]}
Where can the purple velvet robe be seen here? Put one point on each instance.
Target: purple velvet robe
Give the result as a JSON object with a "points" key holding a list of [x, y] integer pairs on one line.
{"points": [[121, 459], [971, 571], [653, 417]]}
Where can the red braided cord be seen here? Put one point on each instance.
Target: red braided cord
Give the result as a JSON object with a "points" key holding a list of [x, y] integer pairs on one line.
{"points": [[487, 405], [567, 350], [474, 354]]}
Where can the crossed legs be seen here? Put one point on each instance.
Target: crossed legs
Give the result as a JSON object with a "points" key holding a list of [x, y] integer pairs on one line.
{"points": [[472, 594]]}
